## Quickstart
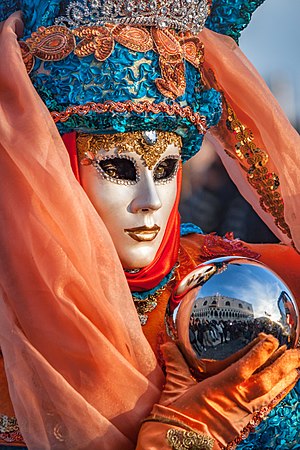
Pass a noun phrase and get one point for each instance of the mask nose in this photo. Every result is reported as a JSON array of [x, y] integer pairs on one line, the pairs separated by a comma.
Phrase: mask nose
[[147, 198]]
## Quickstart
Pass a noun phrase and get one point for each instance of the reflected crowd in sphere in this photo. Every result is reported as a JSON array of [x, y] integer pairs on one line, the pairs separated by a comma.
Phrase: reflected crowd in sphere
[[225, 303]]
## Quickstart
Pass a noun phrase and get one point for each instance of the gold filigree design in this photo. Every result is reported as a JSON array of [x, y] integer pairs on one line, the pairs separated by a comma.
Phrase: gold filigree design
[[51, 43], [135, 38], [57, 42], [95, 40], [128, 106], [127, 142], [188, 440], [253, 161]]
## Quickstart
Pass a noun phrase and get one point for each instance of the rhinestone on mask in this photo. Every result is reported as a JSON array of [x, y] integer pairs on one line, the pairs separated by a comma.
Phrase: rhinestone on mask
[[150, 137]]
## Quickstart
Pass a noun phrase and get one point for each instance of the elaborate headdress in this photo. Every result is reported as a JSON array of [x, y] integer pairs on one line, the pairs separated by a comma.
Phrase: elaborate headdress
[[106, 66], [115, 66]]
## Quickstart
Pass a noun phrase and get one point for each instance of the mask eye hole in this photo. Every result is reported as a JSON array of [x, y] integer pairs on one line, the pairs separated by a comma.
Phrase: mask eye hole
[[117, 169], [166, 169]]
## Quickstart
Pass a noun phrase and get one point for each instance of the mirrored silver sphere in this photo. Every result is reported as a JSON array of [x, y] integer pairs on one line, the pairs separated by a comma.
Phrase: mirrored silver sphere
[[225, 303]]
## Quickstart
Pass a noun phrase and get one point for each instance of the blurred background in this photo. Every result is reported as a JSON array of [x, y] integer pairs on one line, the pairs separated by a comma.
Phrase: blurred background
[[209, 198]]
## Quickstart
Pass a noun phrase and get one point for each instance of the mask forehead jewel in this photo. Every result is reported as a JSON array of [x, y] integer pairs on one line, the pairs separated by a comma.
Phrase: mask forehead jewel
[[88, 145], [150, 137]]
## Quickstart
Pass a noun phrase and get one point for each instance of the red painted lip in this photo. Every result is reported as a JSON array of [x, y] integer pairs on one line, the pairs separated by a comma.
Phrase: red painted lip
[[143, 234]]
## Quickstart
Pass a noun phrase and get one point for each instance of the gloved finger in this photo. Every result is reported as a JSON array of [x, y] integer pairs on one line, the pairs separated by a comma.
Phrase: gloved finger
[[280, 351], [212, 367], [275, 396], [267, 380], [240, 371], [178, 378]]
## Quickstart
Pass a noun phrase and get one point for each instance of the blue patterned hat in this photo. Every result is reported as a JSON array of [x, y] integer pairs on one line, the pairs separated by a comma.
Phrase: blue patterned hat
[[107, 66]]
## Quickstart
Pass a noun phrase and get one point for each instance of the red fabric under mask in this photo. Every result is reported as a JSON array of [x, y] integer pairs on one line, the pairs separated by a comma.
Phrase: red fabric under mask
[[167, 254]]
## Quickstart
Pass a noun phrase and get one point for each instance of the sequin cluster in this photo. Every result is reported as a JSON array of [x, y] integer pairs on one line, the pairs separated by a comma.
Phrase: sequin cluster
[[254, 161], [280, 430], [179, 14], [231, 16], [9, 430]]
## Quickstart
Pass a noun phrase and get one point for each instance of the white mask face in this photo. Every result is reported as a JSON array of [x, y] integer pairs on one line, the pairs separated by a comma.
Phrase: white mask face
[[133, 200]]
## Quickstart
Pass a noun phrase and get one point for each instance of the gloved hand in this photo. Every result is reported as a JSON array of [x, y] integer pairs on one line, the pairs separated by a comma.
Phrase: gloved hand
[[226, 401], [209, 367], [223, 404]]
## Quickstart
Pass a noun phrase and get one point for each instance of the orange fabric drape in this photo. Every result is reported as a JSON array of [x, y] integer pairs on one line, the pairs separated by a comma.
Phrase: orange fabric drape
[[81, 374], [257, 109]]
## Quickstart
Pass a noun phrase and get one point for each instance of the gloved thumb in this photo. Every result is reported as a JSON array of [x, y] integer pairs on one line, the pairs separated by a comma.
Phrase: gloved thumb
[[178, 378]]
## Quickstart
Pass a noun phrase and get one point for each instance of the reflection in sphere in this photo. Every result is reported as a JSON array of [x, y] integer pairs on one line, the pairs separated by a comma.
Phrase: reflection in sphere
[[225, 303]]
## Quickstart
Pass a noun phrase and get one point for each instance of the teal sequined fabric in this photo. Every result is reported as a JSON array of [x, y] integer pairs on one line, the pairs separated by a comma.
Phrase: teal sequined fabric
[[231, 16], [281, 429], [125, 75]]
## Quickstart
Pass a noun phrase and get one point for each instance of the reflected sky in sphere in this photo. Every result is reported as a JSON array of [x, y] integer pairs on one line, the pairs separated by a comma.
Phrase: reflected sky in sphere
[[247, 285]]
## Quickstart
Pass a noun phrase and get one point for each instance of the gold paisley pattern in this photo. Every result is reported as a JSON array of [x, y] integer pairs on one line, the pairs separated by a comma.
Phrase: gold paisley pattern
[[188, 440]]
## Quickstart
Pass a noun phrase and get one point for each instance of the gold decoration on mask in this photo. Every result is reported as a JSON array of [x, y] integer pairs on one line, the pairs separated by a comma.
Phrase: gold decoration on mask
[[89, 145]]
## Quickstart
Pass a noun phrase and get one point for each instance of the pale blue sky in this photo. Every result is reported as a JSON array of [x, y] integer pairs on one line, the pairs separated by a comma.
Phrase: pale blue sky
[[272, 43]]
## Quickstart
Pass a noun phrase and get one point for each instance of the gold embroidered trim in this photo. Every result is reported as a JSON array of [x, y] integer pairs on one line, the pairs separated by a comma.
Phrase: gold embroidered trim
[[133, 141], [188, 440], [128, 106], [254, 161], [177, 438]]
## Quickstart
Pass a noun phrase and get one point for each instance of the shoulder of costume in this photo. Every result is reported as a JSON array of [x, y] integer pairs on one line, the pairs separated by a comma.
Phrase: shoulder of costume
[[231, 17], [203, 247]]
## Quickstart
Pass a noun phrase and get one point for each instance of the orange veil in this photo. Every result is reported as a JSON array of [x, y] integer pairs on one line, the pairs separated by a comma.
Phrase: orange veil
[[267, 129], [81, 374]]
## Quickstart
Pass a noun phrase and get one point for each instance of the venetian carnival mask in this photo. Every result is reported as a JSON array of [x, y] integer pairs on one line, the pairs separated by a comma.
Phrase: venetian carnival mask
[[131, 180]]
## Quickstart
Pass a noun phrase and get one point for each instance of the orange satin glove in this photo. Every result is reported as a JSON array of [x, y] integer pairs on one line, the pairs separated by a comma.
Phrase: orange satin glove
[[223, 404]]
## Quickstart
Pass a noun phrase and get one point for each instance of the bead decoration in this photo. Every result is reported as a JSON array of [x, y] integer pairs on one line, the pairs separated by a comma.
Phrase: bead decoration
[[96, 163], [145, 106], [9, 430], [178, 14]]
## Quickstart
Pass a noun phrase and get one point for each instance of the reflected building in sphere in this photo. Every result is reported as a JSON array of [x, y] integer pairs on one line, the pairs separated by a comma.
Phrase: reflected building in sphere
[[220, 307]]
